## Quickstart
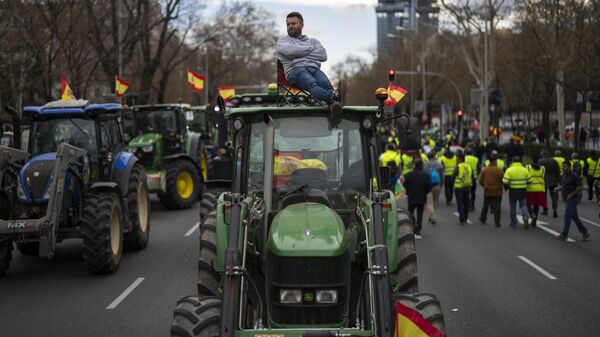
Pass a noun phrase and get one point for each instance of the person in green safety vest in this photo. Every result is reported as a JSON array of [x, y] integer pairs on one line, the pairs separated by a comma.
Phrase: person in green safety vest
[[559, 160], [499, 162], [536, 189], [463, 180], [390, 158], [472, 161], [515, 180], [407, 161], [591, 170], [449, 162]]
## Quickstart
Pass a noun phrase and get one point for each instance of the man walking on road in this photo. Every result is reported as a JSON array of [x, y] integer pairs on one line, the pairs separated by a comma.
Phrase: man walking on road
[[536, 189], [418, 184], [551, 177], [592, 172], [449, 162], [571, 187], [491, 180], [433, 197], [463, 180], [516, 178], [472, 161]]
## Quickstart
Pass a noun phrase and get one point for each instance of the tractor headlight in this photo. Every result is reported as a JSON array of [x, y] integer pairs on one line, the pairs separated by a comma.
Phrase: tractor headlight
[[327, 296], [238, 124], [367, 123], [290, 296], [147, 149]]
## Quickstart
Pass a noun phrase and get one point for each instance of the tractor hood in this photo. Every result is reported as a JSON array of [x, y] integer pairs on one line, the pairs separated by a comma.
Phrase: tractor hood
[[147, 139], [35, 176], [307, 229]]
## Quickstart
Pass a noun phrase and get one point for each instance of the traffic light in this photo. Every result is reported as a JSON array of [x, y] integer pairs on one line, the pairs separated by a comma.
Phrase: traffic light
[[459, 114], [392, 74]]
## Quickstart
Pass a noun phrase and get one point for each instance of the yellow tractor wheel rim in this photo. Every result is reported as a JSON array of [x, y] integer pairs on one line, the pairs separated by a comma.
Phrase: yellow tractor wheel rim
[[185, 185], [203, 167], [115, 231]]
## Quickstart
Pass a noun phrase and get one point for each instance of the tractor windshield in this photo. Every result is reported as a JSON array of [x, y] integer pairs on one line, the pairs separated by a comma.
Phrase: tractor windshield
[[163, 121], [48, 134], [311, 161]]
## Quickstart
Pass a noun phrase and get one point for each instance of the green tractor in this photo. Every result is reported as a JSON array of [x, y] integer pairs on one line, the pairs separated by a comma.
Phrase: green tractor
[[309, 242], [174, 157]]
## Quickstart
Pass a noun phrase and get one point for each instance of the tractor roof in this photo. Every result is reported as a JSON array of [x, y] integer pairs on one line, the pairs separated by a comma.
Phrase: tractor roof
[[161, 106], [71, 107], [362, 110]]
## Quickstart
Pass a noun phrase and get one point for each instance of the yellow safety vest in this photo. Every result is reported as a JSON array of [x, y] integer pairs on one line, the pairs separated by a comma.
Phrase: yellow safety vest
[[431, 144], [516, 176], [464, 179], [560, 161], [499, 163], [580, 165], [449, 165], [407, 164], [388, 156], [593, 168], [537, 183], [424, 157], [472, 161]]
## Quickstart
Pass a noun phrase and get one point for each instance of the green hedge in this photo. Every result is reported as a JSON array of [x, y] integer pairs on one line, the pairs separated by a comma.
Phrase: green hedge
[[535, 149]]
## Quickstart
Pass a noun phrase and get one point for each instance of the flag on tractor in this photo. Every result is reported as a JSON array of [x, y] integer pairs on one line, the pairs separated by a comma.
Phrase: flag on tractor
[[195, 81], [120, 86], [66, 93], [410, 323], [226, 92], [395, 94]]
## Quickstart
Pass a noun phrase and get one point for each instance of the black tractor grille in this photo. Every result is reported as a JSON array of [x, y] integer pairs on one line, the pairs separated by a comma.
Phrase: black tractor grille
[[146, 158], [308, 274], [38, 173]]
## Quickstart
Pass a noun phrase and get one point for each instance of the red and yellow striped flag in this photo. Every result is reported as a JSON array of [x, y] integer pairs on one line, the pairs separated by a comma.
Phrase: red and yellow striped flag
[[195, 81], [410, 323], [226, 92], [66, 94], [120, 86], [395, 94]]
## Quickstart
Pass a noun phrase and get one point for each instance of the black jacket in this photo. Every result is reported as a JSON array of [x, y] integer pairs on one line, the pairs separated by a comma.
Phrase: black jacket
[[417, 183], [552, 171]]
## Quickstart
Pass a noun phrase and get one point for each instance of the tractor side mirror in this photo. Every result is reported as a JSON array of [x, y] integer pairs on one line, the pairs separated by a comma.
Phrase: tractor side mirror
[[385, 175], [409, 133]]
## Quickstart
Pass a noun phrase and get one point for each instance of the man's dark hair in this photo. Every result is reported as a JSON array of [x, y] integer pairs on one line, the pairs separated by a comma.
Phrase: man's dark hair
[[295, 15], [419, 163]]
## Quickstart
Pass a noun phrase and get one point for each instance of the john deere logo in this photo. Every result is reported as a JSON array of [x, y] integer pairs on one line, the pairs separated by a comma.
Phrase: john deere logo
[[308, 297]]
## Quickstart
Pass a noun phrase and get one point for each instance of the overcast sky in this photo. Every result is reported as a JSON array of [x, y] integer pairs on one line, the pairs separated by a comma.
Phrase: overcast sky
[[344, 27]]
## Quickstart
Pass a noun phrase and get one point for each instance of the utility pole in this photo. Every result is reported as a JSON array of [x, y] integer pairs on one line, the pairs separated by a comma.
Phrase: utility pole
[[485, 108], [119, 53], [414, 28], [206, 82]]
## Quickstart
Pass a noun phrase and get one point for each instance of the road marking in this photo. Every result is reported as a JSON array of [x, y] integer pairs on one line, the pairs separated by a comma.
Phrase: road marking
[[520, 219], [418, 237], [542, 227], [193, 229], [589, 221], [125, 293], [538, 268], [468, 221]]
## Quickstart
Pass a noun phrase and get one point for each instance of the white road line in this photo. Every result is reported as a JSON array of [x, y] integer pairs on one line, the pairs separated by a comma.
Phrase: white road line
[[193, 229], [589, 221], [520, 219], [468, 221], [538, 268], [418, 237], [542, 227], [125, 293]]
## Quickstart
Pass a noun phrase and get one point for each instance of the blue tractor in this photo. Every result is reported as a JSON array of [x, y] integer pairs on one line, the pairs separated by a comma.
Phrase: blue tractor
[[76, 181]]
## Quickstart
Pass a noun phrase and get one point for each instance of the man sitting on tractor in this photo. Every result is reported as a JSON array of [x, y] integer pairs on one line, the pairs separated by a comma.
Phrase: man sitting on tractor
[[301, 58]]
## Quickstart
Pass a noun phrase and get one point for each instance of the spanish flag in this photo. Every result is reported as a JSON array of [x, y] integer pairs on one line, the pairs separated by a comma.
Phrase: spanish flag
[[226, 92], [395, 94], [410, 323], [195, 81], [120, 86], [66, 94]]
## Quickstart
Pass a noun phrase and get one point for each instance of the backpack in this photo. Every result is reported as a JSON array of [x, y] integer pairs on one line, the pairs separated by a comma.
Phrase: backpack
[[435, 176]]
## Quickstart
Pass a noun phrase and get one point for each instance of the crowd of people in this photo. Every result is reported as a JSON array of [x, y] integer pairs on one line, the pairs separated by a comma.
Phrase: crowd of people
[[532, 185]]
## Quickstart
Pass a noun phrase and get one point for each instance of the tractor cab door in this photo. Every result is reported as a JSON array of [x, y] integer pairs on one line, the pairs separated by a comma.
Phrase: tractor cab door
[[174, 140], [110, 146]]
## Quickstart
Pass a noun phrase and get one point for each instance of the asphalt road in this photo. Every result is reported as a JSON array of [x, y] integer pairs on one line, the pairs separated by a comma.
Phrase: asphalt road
[[484, 276]]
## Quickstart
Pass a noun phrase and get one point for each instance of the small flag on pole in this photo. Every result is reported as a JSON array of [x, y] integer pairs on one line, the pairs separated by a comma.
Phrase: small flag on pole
[[66, 94], [195, 81], [226, 92], [395, 94], [120, 86], [410, 323]]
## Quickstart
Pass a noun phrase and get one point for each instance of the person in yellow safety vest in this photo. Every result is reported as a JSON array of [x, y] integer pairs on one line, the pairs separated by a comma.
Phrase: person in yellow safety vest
[[463, 180], [559, 160], [515, 179], [390, 158], [424, 156], [472, 161], [393, 138], [449, 162], [499, 162], [577, 165], [536, 189], [407, 161], [592, 172]]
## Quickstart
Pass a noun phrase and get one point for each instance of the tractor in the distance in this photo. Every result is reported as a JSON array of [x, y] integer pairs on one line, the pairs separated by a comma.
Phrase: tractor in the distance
[[76, 181]]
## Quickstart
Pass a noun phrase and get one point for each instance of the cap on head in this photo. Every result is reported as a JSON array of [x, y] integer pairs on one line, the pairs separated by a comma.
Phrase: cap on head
[[516, 159], [544, 153], [574, 155], [557, 152]]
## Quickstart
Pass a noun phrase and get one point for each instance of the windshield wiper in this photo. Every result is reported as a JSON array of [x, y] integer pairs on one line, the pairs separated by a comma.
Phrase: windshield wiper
[[80, 129]]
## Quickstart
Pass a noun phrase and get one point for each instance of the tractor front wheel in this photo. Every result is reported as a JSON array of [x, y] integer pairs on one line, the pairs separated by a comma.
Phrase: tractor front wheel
[[138, 204], [427, 305], [196, 317], [5, 256], [405, 271], [182, 185], [208, 277]]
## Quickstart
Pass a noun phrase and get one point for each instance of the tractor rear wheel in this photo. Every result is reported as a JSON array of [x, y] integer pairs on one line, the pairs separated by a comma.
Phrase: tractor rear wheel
[[183, 185], [196, 317], [205, 161], [207, 204], [208, 278], [425, 304], [5, 256], [29, 248], [138, 204], [102, 231], [405, 272]]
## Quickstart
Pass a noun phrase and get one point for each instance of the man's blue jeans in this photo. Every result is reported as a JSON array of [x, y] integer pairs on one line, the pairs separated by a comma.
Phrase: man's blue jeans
[[512, 201], [571, 214], [314, 81], [463, 203]]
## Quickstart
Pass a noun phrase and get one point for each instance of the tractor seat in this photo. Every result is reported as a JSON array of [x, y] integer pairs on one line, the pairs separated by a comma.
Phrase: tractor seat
[[312, 195], [313, 177]]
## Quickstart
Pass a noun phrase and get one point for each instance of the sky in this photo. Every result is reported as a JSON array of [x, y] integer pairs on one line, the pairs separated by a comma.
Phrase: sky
[[343, 27]]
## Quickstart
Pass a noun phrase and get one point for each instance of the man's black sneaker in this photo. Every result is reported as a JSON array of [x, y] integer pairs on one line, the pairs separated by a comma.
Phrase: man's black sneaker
[[497, 225], [534, 222], [561, 237], [555, 214], [482, 221], [586, 236], [545, 212]]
